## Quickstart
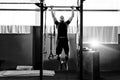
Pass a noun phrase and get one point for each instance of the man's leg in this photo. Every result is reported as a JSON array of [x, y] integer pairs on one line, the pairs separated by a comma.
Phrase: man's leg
[[58, 50], [58, 53], [66, 49]]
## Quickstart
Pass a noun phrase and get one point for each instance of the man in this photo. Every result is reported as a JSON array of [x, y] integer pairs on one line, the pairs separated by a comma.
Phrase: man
[[62, 38]]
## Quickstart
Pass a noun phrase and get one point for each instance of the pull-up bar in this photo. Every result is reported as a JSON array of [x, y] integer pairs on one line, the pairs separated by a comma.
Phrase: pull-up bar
[[61, 6], [56, 6]]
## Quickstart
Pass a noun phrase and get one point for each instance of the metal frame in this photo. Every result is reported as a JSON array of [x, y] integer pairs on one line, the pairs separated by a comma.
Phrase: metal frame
[[41, 29], [89, 10], [85, 10], [81, 40], [41, 39], [46, 7], [64, 8], [16, 3]]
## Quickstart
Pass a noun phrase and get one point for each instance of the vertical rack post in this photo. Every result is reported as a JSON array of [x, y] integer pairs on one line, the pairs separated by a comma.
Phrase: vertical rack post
[[41, 38], [81, 39]]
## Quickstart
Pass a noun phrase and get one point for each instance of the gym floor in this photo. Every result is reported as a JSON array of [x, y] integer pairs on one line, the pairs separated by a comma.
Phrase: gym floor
[[75, 76], [110, 76]]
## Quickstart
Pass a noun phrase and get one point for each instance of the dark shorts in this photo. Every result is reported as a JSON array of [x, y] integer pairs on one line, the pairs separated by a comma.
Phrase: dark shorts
[[62, 43]]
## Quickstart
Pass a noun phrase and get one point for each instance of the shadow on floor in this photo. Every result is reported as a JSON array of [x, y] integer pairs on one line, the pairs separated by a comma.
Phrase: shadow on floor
[[54, 64]]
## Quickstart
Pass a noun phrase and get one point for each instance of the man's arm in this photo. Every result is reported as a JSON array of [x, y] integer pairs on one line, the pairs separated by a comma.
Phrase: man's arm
[[70, 19], [53, 15]]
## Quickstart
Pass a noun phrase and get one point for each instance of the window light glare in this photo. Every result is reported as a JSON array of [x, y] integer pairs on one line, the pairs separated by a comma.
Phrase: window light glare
[[94, 43]]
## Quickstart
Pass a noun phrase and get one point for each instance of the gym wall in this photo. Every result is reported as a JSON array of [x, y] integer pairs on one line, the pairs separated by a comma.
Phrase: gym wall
[[16, 49]]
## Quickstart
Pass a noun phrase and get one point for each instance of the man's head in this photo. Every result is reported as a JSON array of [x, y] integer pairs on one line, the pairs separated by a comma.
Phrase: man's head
[[61, 18]]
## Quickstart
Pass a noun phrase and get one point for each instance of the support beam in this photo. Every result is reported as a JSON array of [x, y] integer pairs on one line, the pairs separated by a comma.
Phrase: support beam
[[19, 9], [41, 39], [81, 40], [16, 3], [39, 4], [68, 10], [88, 10], [101, 10]]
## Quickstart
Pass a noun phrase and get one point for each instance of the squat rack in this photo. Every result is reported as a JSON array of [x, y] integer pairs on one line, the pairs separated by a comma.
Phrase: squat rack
[[42, 9], [81, 37]]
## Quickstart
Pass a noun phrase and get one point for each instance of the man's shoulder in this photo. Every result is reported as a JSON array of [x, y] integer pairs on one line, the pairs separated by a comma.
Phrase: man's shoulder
[[67, 22], [56, 22]]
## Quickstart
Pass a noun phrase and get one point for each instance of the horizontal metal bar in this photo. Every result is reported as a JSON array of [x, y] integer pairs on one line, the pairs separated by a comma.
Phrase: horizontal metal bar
[[103, 10], [17, 3], [19, 9], [62, 6], [36, 4], [56, 6], [89, 10], [86, 10]]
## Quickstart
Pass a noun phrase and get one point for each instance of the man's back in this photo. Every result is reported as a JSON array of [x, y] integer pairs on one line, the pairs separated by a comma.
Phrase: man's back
[[62, 28]]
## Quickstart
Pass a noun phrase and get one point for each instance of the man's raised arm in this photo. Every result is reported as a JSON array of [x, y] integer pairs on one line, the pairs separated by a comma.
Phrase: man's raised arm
[[70, 19], [53, 15]]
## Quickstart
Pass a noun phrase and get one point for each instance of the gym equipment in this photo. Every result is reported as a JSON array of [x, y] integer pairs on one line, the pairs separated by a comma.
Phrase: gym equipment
[[81, 40], [51, 55], [36, 46], [46, 7], [41, 39], [86, 10], [91, 69], [18, 73], [44, 49], [17, 3]]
